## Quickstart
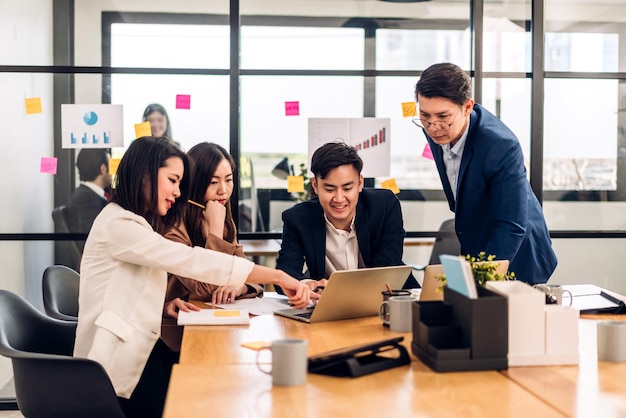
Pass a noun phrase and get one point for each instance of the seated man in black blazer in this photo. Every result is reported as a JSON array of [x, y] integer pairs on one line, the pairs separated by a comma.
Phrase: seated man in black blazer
[[346, 226], [89, 198]]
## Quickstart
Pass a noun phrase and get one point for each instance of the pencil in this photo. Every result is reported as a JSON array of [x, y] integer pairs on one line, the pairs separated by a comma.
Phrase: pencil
[[196, 204]]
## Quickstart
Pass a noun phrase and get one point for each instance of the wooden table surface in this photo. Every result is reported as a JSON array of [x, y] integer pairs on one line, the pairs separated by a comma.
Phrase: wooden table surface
[[217, 377]]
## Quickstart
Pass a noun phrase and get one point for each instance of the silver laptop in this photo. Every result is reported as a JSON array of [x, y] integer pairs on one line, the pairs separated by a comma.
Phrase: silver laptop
[[351, 294]]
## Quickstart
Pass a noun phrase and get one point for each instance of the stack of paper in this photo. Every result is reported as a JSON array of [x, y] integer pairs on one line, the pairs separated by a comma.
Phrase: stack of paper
[[214, 317]]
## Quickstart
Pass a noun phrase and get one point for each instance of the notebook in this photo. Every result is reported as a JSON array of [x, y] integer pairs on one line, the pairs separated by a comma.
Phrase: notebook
[[214, 317], [351, 294], [431, 285]]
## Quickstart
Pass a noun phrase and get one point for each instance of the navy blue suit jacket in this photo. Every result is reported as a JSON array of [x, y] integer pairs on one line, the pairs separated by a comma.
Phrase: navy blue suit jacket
[[379, 230], [496, 210], [82, 208]]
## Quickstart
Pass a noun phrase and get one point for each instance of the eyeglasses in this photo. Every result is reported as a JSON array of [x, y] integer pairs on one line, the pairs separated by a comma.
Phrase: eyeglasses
[[440, 125]]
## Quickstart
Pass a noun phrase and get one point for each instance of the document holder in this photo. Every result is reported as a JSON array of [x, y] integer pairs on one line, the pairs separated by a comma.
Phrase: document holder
[[359, 360]]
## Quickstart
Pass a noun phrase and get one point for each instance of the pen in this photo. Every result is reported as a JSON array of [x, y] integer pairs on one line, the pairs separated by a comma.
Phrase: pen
[[196, 204]]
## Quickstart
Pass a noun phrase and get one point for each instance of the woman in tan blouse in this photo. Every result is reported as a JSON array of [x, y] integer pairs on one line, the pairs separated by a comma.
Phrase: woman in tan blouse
[[211, 227]]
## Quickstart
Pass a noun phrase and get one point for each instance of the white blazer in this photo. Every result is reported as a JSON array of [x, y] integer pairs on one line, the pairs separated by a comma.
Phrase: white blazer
[[123, 277]]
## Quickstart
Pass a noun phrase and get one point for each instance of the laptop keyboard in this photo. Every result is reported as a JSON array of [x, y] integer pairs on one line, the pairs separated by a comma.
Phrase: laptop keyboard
[[305, 314]]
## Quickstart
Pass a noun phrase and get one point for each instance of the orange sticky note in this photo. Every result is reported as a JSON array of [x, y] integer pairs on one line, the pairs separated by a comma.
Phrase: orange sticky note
[[295, 184], [256, 345], [48, 165], [409, 109], [33, 105], [226, 312], [390, 185], [143, 129], [114, 163], [292, 108]]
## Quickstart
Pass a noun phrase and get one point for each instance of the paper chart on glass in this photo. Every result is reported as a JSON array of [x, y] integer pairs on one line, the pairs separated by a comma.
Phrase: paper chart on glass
[[270, 302]]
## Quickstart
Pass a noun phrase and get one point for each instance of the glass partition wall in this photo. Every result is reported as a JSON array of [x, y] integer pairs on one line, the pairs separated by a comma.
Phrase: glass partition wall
[[553, 71]]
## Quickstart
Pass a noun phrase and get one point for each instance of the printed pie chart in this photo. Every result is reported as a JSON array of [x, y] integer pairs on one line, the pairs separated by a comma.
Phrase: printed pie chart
[[90, 118]]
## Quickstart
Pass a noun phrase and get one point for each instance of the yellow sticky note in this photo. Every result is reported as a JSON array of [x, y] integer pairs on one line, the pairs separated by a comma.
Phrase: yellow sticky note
[[390, 185], [226, 312], [295, 184], [256, 345], [33, 105], [409, 109], [113, 164], [143, 129]]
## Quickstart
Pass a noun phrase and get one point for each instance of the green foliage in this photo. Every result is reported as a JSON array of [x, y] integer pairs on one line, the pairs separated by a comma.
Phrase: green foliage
[[484, 269]]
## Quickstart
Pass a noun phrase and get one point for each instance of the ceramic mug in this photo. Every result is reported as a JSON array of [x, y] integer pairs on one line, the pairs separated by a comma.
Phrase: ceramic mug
[[400, 313], [554, 293], [386, 295], [289, 362]]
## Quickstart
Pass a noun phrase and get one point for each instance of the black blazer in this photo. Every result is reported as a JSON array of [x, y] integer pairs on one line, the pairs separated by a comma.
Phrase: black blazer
[[379, 230], [83, 207]]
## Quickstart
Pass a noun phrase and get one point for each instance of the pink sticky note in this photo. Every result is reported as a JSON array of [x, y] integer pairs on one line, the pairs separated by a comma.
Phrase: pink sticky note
[[427, 153], [183, 101], [48, 165], [292, 108]]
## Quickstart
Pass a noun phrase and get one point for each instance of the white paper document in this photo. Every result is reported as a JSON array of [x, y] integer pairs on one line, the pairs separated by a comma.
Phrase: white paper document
[[266, 305], [214, 317]]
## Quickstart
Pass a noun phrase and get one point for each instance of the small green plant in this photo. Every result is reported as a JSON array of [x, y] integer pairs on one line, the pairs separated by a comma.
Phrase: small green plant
[[484, 269]]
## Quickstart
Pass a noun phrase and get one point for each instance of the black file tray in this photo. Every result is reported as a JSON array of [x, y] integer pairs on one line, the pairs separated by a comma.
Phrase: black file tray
[[359, 360], [462, 334]]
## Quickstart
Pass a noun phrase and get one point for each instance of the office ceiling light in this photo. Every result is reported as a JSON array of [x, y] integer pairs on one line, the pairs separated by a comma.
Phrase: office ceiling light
[[283, 169]]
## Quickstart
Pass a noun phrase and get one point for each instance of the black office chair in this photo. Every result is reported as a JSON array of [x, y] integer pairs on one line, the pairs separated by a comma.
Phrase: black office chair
[[68, 252], [446, 242], [60, 286], [49, 382]]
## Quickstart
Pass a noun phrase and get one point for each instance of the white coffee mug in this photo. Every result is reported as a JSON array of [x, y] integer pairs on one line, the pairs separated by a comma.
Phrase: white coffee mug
[[289, 362], [400, 313], [555, 291]]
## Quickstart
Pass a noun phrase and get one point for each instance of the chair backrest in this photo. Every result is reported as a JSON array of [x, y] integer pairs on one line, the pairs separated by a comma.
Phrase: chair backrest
[[69, 252], [446, 242], [49, 382], [60, 286]]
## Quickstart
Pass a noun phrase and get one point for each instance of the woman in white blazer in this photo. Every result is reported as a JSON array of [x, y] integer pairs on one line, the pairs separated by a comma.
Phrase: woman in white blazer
[[124, 275]]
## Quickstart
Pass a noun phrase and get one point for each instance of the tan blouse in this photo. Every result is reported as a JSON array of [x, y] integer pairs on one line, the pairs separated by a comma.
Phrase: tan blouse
[[190, 289]]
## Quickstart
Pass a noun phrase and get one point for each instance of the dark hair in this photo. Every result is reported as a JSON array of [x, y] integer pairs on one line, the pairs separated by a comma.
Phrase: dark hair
[[204, 159], [89, 161], [155, 107], [445, 80], [332, 155], [136, 181]]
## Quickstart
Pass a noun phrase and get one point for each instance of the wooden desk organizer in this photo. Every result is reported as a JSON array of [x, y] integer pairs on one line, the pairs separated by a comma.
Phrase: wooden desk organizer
[[462, 334]]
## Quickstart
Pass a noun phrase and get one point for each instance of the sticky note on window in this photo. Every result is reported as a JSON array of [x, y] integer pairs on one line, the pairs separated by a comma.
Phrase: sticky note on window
[[409, 109], [427, 153], [143, 129], [114, 163], [292, 108], [295, 184], [48, 165], [183, 101], [33, 105], [390, 185]]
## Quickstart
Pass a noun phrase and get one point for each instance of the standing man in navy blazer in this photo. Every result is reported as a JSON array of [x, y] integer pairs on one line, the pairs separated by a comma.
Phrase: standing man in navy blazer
[[89, 198], [345, 226], [481, 166]]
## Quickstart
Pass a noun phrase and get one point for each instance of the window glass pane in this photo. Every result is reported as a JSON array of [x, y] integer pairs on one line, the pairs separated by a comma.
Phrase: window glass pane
[[418, 49], [410, 169], [206, 120], [169, 46], [26, 32], [302, 48], [580, 141], [506, 45]]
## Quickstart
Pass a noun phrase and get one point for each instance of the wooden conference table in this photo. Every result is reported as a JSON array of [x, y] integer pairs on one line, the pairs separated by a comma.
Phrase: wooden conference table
[[217, 377]]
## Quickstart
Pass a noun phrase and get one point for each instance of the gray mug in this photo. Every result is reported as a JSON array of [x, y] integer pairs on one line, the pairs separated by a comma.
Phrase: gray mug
[[400, 314], [289, 362]]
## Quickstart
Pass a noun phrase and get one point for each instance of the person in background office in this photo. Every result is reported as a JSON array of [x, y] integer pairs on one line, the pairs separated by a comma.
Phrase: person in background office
[[124, 275], [481, 166], [159, 120], [345, 226], [88, 199], [212, 182]]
